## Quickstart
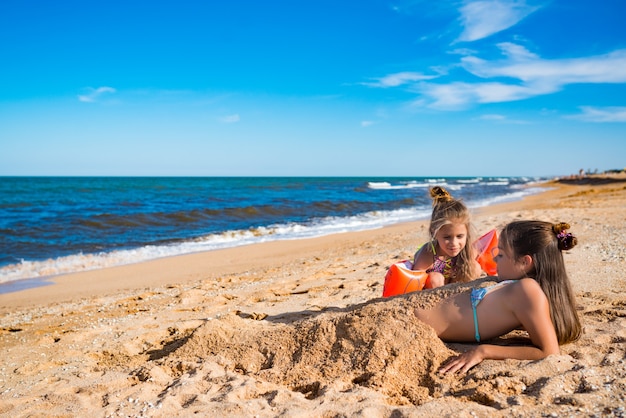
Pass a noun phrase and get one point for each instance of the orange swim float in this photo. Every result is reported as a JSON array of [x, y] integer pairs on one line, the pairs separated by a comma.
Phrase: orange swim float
[[401, 279], [485, 245]]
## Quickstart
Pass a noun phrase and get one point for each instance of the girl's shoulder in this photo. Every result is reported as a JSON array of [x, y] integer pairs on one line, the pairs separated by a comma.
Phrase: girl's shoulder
[[525, 284], [527, 291], [427, 246], [425, 249], [529, 284]]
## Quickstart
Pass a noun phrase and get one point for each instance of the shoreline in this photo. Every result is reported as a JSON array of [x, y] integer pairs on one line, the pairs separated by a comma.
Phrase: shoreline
[[156, 272], [29, 272], [147, 273], [284, 329]]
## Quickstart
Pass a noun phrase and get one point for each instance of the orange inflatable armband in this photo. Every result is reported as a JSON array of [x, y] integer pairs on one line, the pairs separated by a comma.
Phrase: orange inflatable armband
[[485, 245], [401, 279]]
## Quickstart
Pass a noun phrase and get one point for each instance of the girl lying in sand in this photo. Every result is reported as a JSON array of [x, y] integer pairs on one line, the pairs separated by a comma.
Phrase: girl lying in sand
[[533, 293]]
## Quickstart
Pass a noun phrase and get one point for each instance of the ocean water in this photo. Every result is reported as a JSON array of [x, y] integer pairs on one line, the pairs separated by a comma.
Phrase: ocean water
[[57, 225]]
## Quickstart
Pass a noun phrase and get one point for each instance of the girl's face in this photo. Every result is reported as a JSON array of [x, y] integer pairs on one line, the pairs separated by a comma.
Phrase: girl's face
[[507, 267], [452, 239]]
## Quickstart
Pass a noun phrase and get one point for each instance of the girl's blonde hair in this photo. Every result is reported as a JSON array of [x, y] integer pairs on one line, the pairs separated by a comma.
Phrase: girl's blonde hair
[[544, 242], [448, 210]]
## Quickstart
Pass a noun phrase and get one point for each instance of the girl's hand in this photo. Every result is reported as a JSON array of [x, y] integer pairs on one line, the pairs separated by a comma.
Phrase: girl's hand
[[463, 362]]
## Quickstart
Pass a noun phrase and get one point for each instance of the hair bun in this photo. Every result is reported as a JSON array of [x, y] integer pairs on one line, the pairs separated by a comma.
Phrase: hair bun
[[566, 240], [439, 194]]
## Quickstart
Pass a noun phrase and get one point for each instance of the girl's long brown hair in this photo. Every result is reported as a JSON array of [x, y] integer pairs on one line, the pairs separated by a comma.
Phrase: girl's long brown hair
[[544, 242], [447, 210]]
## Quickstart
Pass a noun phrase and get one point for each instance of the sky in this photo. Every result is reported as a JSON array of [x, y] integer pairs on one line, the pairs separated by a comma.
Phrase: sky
[[312, 88]]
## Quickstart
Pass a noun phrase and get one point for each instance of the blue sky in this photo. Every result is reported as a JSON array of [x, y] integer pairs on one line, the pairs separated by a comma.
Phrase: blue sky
[[312, 88]]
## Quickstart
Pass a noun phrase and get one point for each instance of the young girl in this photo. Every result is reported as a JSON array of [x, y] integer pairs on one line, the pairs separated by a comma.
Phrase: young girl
[[533, 293], [447, 258]]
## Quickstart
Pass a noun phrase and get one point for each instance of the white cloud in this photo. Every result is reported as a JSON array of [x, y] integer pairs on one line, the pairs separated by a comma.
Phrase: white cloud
[[91, 95], [530, 76], [601, 114], [481, 19], [230, 118], [458, 95], [492, 117], [526, 66], [516, 52], [366, 123], [398, 79], [462, 51]]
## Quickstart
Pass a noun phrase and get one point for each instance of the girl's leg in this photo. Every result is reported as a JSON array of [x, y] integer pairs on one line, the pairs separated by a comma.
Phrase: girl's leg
[[435, 279]]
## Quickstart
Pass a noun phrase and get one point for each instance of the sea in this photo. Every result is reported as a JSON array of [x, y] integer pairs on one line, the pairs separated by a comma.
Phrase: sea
[[57, 225]]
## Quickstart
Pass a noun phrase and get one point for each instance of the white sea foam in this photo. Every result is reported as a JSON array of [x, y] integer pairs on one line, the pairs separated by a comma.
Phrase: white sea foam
[[330, 225], [326, 226], [384, 185], [510, 197]]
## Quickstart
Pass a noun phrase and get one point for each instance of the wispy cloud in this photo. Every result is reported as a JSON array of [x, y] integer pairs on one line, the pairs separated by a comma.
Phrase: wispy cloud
[[501, 119], [601, 114], [366, 123], [493, 117], [481, 19], [398, 79], [459, 95], [230, 118], [91, 95], [528, 67], [530, 76]]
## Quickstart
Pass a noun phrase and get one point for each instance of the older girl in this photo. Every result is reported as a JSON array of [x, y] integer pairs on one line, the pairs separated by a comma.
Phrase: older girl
[[533, 293]]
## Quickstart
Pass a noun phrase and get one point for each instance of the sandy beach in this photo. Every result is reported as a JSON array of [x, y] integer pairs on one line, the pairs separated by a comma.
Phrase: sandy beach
[[299, 329]]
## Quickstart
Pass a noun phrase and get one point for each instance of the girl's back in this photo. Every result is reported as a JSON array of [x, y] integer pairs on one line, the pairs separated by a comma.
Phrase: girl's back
[[504, 307]]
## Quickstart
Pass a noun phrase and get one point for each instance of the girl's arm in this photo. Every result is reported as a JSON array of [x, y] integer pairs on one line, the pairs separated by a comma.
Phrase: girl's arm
[[423, 258], [530, 305], [467, 360]]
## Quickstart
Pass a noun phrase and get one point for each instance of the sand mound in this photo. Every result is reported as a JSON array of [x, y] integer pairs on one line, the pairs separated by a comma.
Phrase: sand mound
[[379, 345]]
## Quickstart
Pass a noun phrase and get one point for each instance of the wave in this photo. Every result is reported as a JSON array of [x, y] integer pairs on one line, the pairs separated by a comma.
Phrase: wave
[[239, 233], [324, 226], [510, 197], [470, 181], [384, 185], [450, 184]]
